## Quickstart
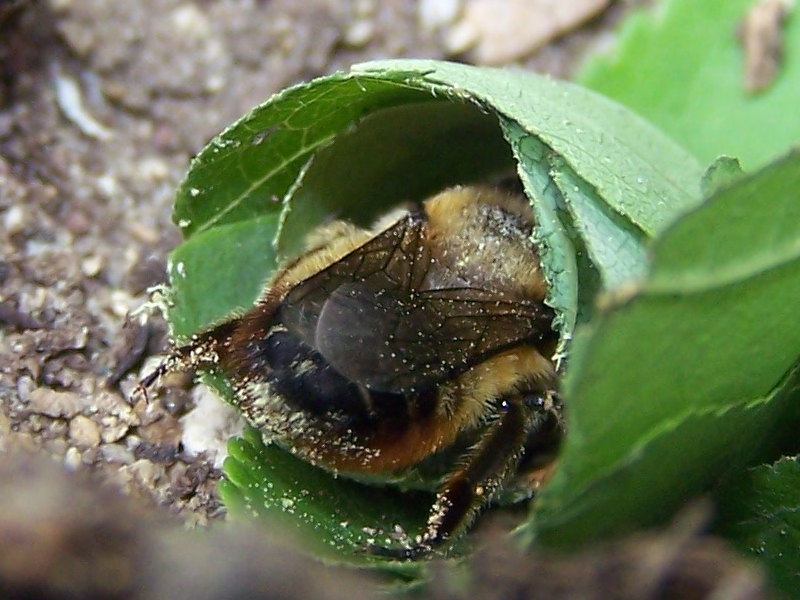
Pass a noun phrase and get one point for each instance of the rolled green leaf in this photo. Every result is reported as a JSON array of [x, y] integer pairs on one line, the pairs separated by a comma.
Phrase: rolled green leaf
[[351, 145], [602, 183]]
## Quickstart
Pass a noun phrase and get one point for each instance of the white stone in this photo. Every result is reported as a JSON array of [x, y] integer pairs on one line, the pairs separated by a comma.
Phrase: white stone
[[433, 14], [84, 432], [209, 425]]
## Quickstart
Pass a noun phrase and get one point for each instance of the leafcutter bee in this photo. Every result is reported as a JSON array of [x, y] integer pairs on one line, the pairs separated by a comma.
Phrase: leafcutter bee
[[378, 352]]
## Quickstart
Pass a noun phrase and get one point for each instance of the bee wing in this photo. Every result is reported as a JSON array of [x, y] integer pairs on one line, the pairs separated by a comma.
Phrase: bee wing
[[402, 342], [366, 315], [393, 259], [393, 255]]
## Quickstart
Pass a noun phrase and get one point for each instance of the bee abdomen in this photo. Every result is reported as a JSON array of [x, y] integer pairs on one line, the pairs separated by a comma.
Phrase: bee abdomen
[[306, 381]]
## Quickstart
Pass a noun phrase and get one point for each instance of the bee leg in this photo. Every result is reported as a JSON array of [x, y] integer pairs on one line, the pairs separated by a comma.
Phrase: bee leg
[[472, 485], [177, 360], [201, 351]]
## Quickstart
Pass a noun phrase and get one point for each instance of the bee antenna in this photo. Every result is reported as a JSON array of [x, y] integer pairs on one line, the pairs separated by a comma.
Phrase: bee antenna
[[141, 390], [196, 354], [149, 379]]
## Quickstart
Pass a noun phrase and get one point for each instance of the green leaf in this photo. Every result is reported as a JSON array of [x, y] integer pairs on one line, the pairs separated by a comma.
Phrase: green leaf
[[681, 67], [689, 377], [336, 517], [638, 171], [219, 271], [616, 247], [243, 171], [760, 513]]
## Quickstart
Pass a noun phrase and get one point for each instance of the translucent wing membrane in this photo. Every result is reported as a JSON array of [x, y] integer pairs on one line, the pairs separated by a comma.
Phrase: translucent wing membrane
[[370, 317], [401, 342]]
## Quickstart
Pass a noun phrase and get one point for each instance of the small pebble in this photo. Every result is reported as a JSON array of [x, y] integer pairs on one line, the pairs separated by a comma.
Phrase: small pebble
[[84, 432], [433, 14], [14, 219], [91, 265], [359, 33], [72, 459], [116, 453], [49, 402]]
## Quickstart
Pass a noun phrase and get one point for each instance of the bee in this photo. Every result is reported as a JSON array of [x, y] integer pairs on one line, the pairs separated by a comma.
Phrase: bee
[[379, 351]]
